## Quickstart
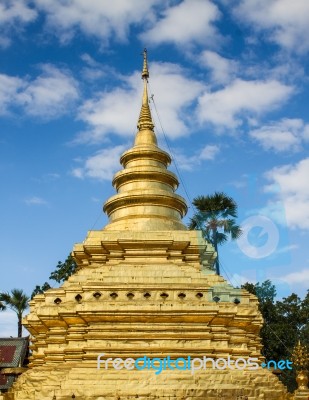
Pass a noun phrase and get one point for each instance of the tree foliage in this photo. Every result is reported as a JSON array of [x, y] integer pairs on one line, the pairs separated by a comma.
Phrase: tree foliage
[[40, 289], [17, 301], [60, 274], [64, 270], [215, 217], [286, 322]]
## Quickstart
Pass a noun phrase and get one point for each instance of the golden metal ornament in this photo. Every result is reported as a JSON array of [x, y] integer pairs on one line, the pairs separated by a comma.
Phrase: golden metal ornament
[[302, 380], [300, 356]]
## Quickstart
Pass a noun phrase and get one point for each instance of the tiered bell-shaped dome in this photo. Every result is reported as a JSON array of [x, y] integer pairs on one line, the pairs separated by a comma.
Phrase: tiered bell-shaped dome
[[145, 198]]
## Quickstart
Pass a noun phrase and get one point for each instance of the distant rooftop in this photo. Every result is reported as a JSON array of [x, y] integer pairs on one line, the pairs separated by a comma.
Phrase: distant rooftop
[[12, 355]]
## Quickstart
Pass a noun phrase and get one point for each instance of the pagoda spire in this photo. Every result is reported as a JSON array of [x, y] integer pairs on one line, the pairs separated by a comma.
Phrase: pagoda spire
[[145, 119], [145, 72], [146, 198]]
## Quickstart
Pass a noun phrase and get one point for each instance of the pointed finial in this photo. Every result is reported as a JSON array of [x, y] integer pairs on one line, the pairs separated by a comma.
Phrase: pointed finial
[[145, 72], [145, 119]]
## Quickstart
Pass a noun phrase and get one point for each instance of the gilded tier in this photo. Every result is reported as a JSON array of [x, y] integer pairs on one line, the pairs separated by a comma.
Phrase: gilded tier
[[146, 198]]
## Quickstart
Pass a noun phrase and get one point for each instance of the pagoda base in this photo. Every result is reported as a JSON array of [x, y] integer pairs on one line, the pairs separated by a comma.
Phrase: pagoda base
[[139, 294], [93, 384]]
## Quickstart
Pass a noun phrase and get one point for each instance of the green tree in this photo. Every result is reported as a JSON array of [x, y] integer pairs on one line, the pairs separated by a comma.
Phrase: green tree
[[40, 289], [304, 331], [215, 217], [285, 322], [17, 301], [266, 293], [62, 272], [2, 306]]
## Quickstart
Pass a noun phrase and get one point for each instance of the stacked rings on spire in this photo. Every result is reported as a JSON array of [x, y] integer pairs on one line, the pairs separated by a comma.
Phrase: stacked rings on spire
[[145, 198]]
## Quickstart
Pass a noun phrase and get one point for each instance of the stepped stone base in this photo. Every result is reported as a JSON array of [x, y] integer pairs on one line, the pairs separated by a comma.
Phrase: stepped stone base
[[92, 384], [137, 294]]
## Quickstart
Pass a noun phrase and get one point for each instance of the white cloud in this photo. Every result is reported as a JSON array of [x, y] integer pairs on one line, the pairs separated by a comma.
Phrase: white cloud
[[174, 92], [52, 176], [104, 19], [275, 211], [110, 112], [222, 69], [189, 163], [227, 107], [11, 10], [9, 87], [102, 165], [14, 14], [47, 96], [35, 201], [287, 249], [286, 21], [189, 21], [290, 185], [93, 69], [209, 152], [284, 135], [300, 277], [117, 111], [238, 280]]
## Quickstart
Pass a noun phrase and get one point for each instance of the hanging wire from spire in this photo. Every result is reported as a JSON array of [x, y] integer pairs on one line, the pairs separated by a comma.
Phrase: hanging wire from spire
[[172, 154]]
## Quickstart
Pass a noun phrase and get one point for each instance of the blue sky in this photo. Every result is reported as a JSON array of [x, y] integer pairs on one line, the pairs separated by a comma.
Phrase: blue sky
[[230, 84]]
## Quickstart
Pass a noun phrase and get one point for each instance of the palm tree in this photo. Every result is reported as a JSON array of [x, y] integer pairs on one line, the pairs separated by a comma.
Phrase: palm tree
[[16, 301], [2, 306], [215, 217]]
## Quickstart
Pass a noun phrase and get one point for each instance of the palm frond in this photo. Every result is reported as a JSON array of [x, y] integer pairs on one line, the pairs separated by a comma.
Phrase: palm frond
[[17, 300], [221, 238], [215, 217], [218, 203]]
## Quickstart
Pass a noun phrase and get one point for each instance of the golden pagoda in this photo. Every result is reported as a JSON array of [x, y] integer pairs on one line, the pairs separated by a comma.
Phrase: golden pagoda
[[145, 290]]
